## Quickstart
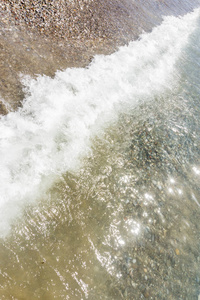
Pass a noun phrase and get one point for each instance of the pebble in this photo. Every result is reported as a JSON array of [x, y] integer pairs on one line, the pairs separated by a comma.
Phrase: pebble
[[146, 294]]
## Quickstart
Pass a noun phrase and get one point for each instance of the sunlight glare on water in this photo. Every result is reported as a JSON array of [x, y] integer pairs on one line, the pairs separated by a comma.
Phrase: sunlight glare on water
[[102, 166]]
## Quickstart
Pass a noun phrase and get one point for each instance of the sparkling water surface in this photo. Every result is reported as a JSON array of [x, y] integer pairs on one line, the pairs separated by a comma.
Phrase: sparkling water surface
[[100, 178]]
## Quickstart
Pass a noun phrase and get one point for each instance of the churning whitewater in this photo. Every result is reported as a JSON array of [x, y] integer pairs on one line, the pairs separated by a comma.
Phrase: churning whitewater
[[53, 129]]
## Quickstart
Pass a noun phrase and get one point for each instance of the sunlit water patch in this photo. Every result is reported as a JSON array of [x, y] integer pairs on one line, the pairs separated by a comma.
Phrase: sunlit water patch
[[102, 164]]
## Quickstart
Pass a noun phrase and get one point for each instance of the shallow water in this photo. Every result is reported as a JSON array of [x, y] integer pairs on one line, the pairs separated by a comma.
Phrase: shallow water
[[100, 181]]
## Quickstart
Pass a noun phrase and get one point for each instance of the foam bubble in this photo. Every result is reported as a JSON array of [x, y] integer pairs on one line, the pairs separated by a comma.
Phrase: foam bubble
[[59, 116]]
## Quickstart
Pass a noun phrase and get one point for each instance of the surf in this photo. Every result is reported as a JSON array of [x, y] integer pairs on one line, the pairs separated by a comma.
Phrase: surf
[[54, 129]]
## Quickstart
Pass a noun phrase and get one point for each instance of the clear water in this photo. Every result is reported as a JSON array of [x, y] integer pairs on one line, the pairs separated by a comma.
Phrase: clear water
[[99, 178]]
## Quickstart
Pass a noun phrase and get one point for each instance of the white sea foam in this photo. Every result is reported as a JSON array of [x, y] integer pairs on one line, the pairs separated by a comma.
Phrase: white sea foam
[[47, 136]]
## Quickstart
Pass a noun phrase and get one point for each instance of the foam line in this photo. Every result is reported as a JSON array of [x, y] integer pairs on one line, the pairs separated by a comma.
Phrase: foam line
[[59, 116]]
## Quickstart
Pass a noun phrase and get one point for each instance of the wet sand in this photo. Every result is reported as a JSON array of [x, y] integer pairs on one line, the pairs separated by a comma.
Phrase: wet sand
[[40, 37]]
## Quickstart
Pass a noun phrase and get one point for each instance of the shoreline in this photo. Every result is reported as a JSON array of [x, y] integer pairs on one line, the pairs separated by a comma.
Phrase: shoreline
[[40, 44]]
